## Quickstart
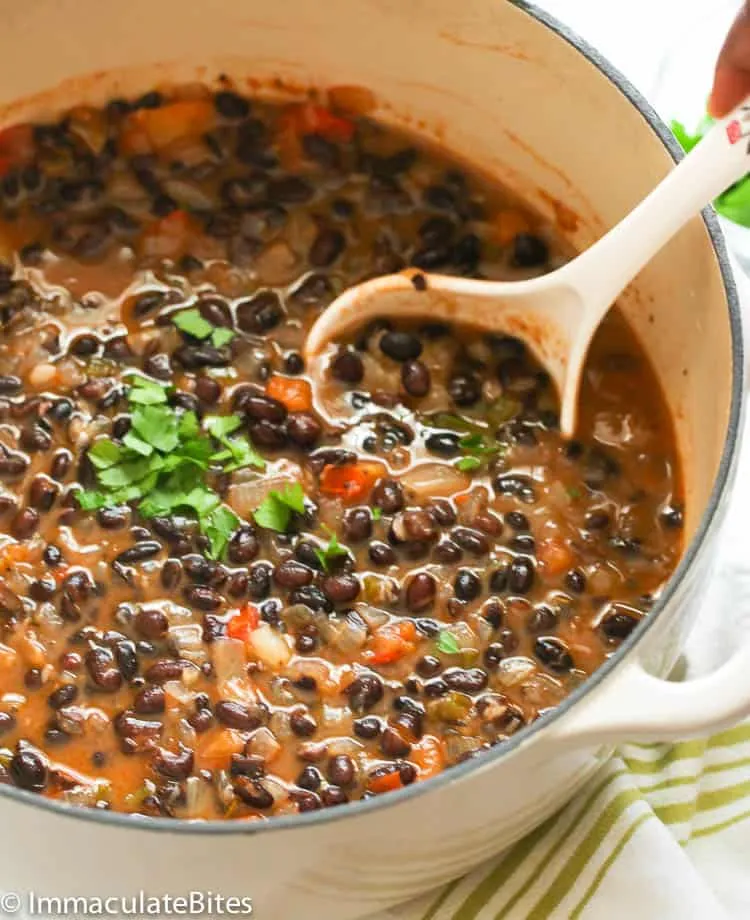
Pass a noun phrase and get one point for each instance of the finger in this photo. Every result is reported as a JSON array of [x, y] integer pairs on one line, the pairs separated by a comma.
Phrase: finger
[[732, 77]]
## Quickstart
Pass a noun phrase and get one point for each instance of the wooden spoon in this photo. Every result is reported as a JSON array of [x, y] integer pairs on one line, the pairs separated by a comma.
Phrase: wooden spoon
[[557, 314]]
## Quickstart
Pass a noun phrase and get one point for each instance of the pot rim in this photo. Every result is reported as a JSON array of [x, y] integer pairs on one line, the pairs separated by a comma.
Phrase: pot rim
[[493, 756]]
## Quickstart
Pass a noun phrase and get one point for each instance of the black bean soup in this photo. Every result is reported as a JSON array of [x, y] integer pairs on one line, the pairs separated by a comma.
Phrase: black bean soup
[[213, 602]]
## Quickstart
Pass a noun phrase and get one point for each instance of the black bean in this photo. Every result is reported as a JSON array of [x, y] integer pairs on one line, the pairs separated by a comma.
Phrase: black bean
[[347, 366], [165, 669], [10, 385], [194, 357], [400, 346], [470, 540], [471, 680], [7, 722], [310, 778], [202, 597], [518, 521], [144, 549], [28, 770], [522, 543], [171, 573], [436, 231], [356, 524], [311, 597], [264, 408], [381, 554], [151, 623], [671, 516], [302, 723], [103, 670], [575, 581], [618, 624], [260, 581], [150, 700], [63, 696], [292, 574], [332, 796], [244, 546], [13, 465], [60, 411], [147, 302], [177, 765], [326, 247], [32, 679], [25, 523], [542, 619], [127, 658], [340, 589], [415, 378], [303, 429], [158, 366], [238, 715], [420, 592], [598, 519], [231, 105], [553, 653], [267, 434], [260, 313], [464, 389], [388, 495], [112, 518], [364, 692], [84, 346], [392, 744], [42, 493], [521, 575], [35, 439], [529, 251], [467, 586], [466, 253]]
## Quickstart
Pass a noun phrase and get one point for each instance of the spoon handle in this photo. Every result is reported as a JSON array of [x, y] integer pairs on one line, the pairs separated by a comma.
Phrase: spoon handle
[[721, 158]]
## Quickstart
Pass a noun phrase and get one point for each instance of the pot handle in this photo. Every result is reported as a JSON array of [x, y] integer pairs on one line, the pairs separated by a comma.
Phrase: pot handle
[[636, 706]]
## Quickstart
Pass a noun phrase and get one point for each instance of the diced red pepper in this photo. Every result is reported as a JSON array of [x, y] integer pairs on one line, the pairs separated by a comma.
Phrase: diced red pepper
[[312, 118], [391, 642], [293, 392], [243, 623], [350, 482], [385, 782]]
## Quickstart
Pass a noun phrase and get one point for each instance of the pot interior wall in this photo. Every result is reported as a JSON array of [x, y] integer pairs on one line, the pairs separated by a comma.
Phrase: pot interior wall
[[481, 76]]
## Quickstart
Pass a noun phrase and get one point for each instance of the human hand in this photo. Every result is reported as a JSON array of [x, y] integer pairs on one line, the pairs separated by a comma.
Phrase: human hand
[[732, 75]]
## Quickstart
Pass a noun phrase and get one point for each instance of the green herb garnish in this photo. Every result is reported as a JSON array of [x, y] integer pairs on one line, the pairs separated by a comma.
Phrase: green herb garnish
[[734, 203], [333, 550], [377, 513], [447, 643], [573, 492], [193, 323], [275, 511], [163, 460], [468, 464]]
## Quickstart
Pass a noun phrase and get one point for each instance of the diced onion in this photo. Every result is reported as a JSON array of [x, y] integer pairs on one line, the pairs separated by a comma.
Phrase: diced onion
[[270, 647], [263, 743], [229, 659], [434, 480]]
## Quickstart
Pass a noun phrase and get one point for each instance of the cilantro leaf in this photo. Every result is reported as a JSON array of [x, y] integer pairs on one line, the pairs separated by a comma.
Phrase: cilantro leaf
[[222, 425], [218, 526], [132, 441], [447, 643], [275, 511], [468, 464], [189, 425], [104, 453], [376, 512], [191, 322], [221, 336], [241, 453], [91, 500], [158, 426], [333, 550], [146, 392]]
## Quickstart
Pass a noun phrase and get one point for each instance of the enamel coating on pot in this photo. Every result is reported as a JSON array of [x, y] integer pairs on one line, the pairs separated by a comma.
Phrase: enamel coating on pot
[[497, 83]]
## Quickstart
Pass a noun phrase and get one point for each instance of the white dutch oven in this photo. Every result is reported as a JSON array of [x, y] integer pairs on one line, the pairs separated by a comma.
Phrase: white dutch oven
[[508, 89]]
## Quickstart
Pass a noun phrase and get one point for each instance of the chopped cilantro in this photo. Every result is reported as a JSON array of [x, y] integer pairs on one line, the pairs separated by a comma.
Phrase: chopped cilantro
[[146, 392], [333, 550], [447, 643], [377, 513], [468, 464], [191, 322], [275, 511], [162, 462], [573, 492], [221, 336], [222, 425]]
